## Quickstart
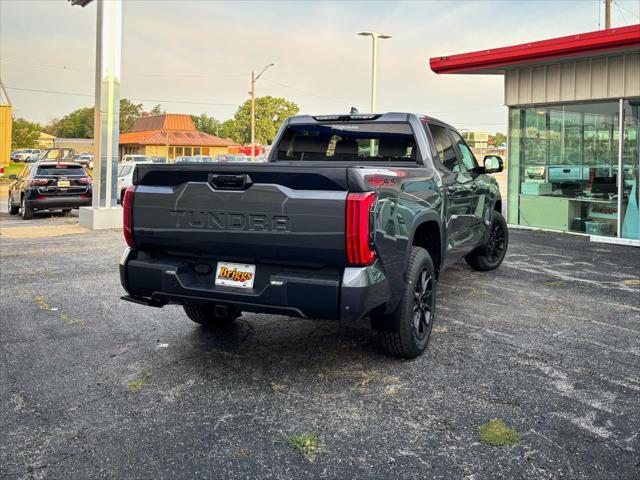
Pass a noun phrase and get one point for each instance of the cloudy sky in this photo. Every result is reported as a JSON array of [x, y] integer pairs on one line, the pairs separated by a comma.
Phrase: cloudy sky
[[202, 52]]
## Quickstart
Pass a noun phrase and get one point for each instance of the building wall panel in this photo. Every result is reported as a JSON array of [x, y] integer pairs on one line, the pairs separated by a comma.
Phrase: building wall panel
[[553, 83], [600, 78], [538, 85], [511, 87], [567, 81], [524, 85], [583, 80], [615, 77], [632, 75]]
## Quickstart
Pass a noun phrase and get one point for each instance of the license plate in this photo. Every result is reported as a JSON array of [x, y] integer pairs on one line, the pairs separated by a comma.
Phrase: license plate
[[238, 275], [63, 183]]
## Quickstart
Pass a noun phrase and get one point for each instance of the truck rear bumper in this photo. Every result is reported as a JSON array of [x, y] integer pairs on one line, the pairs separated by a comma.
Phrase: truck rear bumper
[[329, 293]]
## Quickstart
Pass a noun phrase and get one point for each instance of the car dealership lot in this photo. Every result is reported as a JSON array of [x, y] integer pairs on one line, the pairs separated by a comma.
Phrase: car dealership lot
[[94, 387]]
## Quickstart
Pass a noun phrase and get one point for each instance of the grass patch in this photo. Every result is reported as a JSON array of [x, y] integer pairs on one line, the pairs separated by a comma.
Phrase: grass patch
[[137, 384], [13, 168], [306, 444], [632, 283], [555, 283], [496, 432], [41, 302], [278, 387], [74, 322]]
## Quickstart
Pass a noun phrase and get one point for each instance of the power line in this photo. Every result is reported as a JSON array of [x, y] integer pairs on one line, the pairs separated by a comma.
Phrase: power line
[[125, 73], [187, 102], [305, 92], [637, 15], [624, 17]]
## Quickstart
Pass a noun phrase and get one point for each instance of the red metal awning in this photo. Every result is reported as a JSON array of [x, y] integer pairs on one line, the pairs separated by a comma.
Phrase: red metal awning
[[494, 61]]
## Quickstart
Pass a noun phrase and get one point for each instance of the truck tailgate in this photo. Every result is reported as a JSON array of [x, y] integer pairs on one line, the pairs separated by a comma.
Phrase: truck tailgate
[[277, 214]]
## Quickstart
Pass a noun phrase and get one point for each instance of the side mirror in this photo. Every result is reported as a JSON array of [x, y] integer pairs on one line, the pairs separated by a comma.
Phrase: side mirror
[[13, 177], [493, 164]]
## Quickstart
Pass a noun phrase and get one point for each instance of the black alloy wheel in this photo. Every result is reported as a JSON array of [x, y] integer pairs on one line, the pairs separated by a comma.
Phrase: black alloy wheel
[[423, 304]]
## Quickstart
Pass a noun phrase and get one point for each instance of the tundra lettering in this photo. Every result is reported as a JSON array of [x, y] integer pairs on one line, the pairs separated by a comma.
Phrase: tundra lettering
[[230, 221]]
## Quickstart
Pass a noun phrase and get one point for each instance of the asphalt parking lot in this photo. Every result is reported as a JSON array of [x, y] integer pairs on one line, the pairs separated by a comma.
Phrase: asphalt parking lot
[[94, 387]]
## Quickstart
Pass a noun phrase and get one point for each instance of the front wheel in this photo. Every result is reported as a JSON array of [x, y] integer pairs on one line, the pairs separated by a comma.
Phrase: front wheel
[[210, 315], [491, 255], [416, 313]]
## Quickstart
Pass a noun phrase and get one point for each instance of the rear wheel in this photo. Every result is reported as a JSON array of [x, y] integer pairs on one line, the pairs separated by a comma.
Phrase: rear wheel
[[13, 209], [212, 315], [416, 313], [491, 255], [26, 212]]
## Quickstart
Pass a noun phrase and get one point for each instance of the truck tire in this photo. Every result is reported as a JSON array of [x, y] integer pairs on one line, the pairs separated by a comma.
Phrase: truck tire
[[416, 313], [212, 315], [13, 209], [491, 255], [25, 210]]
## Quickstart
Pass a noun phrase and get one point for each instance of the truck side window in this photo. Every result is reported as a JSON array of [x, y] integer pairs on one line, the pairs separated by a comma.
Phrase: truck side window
[[446, 153], [468, 159]]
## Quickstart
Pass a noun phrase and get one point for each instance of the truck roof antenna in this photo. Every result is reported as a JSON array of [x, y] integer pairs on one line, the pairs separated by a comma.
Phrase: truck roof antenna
[[353, 111]]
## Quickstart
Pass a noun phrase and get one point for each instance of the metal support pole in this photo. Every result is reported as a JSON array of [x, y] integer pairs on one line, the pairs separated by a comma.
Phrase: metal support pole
[[253, 115], [374, 69], [107, 102], [620, 176], [607, 14]]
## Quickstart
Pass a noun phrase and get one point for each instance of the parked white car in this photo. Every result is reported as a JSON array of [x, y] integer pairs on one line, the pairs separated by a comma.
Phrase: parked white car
[[134, 158], [125, 177], [25, 154]]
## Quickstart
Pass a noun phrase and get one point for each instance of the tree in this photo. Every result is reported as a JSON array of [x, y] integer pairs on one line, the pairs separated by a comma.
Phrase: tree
[[129, 113], [157, 110], [229, 129], [270, 113], [499, 139], [24, 133], [206, 124], [79, 123]]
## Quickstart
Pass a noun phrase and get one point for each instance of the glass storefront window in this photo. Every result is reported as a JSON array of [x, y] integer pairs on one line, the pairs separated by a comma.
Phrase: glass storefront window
[[567, 160], [631, 166]]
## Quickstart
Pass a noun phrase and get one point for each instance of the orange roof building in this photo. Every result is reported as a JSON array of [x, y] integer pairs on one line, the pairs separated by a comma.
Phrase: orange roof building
[[170, 135]]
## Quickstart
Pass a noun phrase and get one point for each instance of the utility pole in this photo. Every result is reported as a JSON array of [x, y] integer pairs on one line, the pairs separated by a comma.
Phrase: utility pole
[[607, 14], [253, 109]]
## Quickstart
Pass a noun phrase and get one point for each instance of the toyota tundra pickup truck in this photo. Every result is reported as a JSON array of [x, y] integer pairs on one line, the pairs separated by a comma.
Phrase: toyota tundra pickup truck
[[353, 217]]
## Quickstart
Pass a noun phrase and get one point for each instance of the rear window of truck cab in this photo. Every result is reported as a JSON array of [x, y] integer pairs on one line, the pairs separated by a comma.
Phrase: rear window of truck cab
[[348, 141]]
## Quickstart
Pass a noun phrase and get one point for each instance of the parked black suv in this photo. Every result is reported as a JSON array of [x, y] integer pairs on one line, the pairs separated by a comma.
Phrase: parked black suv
[[49, 186], [354, 216]]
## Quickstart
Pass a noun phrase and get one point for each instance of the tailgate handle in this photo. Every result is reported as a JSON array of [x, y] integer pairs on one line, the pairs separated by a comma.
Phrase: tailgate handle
[[230, 182]]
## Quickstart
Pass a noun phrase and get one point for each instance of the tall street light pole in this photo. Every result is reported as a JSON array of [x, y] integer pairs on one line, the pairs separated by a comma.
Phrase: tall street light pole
[[254, 79], [374, 63]]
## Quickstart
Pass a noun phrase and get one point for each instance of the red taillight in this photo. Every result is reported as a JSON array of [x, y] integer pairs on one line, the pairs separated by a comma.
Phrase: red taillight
[[38, 182], [358, 228], [127, 216], [84, 181]]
